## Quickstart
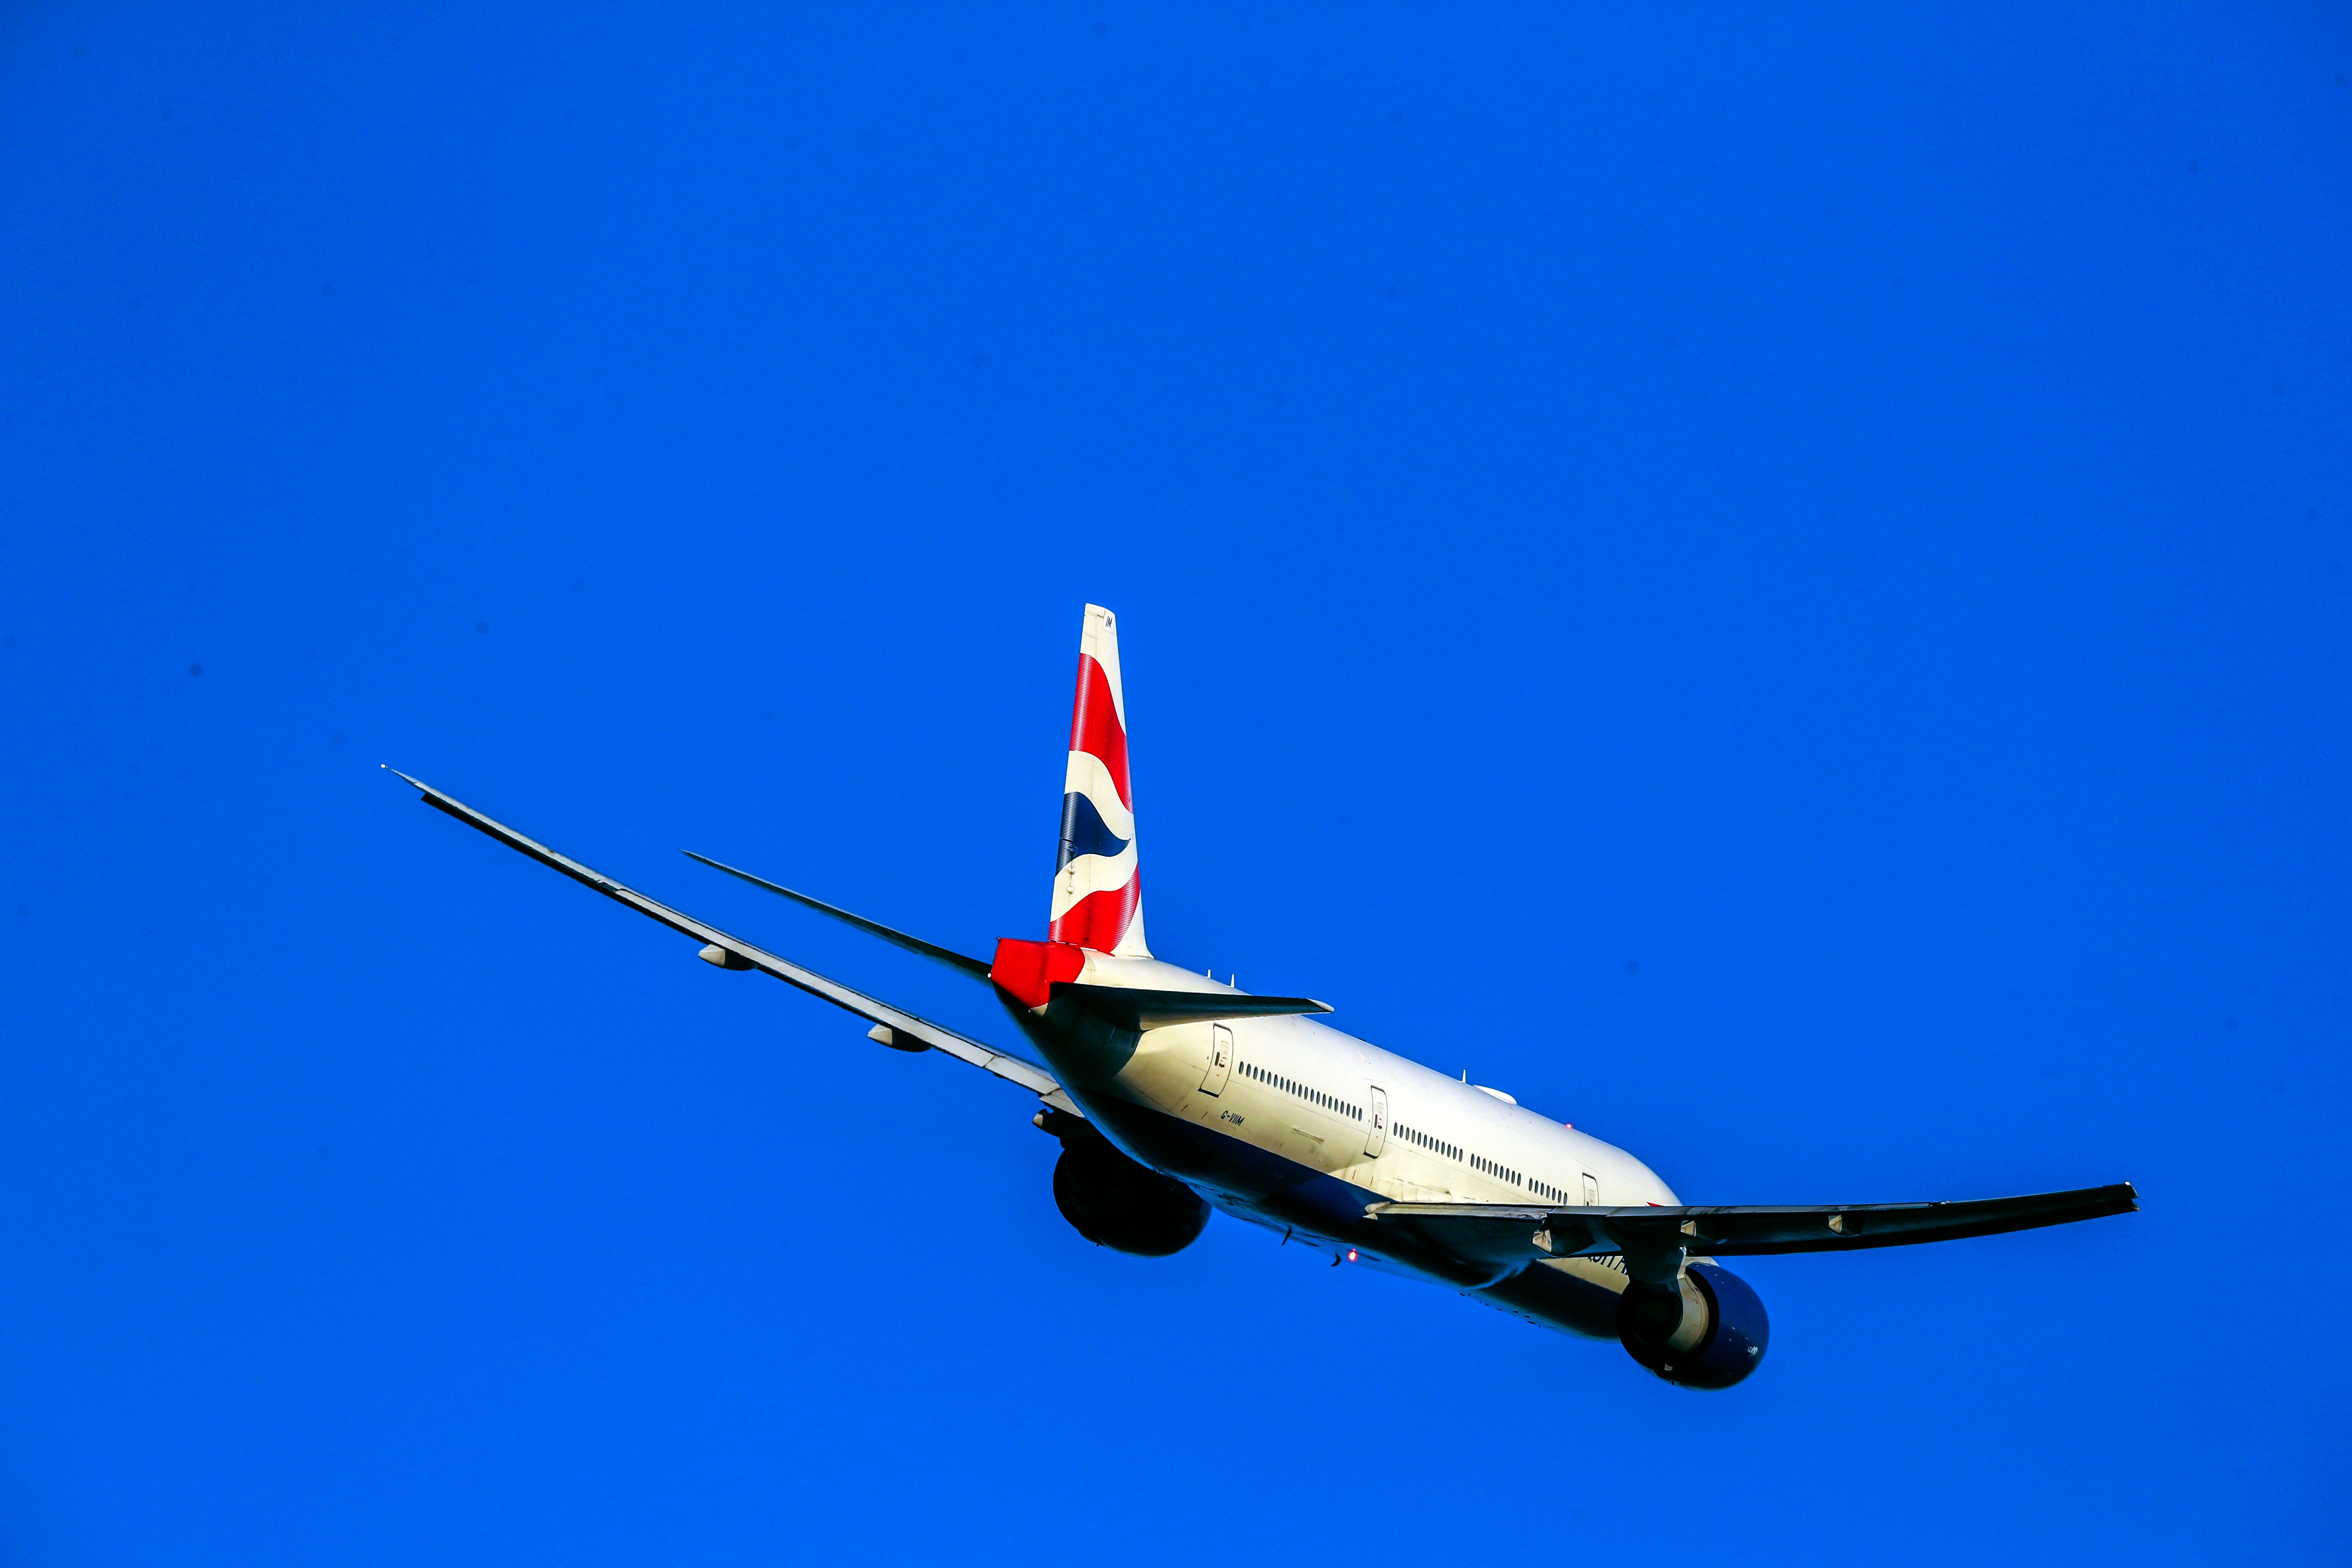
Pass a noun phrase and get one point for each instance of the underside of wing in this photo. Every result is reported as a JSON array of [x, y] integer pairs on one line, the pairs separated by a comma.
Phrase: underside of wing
[[734, 952], [1496, 1231]]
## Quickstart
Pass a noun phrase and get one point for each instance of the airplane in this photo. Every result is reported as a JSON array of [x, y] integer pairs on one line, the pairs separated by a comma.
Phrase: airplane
[[1172, 1095]]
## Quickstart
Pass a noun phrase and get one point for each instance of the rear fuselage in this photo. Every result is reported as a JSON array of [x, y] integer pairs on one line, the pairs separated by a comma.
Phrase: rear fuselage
[[1293, 1125]]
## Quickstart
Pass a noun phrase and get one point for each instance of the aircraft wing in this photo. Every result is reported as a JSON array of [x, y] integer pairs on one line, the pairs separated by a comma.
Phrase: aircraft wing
[[744, 956], [1496, 1231]]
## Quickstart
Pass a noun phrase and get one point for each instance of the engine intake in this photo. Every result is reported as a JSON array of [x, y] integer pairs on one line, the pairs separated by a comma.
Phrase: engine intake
[[1116, 1202], [1709, 1334]]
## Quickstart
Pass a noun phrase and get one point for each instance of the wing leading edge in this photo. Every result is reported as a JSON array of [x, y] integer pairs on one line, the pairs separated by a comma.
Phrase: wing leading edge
[[1534, 1231], [744, 956]]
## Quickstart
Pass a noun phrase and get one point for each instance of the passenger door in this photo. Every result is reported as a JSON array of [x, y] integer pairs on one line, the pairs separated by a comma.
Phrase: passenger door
[[1376, 1137], [1220, 1060]]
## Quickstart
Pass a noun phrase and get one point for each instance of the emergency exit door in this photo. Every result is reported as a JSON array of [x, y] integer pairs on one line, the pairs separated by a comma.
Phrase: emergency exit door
[[1220, 1060], [1377, 1135]]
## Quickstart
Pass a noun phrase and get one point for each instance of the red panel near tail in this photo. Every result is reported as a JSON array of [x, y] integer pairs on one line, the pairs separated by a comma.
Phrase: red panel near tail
[[1029, 969]]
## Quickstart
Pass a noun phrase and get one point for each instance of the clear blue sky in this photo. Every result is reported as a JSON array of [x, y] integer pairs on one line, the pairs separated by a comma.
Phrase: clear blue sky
[[1774, 585]]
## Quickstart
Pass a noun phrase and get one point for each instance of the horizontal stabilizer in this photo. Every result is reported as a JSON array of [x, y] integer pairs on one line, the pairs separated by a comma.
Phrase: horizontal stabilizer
[[977, 968], [1158, 1009], [1534, 1230]]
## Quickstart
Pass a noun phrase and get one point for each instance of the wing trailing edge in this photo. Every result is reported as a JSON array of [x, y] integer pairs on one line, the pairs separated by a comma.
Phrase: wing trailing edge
[[1536, 1231]]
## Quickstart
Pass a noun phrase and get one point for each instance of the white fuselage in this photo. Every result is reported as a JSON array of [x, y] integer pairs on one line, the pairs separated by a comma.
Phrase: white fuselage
[[1314, 1096]]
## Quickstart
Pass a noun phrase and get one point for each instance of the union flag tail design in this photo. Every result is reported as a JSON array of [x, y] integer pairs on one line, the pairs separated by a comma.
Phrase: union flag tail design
[[1098, 901]]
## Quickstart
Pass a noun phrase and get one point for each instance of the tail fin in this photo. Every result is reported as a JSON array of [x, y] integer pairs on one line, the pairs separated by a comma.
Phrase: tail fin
[[1097, 898]]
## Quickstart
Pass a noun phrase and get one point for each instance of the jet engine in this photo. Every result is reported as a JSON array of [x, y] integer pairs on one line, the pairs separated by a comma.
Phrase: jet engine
[[1708, 1335], [1113, 1202]]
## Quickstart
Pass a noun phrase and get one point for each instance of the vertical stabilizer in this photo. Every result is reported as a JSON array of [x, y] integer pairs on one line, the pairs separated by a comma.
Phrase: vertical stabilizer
[[1098, 901]]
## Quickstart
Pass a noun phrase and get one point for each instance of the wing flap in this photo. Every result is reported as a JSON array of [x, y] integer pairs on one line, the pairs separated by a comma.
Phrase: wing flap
[[1534, 1231], [1751, 1232], [1012, 1068]]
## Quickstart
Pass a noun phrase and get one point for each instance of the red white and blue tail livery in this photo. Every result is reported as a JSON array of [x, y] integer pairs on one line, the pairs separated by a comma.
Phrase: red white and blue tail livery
[[1097, 900], [1173, 1097]]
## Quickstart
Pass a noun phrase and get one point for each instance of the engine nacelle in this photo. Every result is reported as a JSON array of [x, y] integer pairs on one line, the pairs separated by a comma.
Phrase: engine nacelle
[[1113, 1202], [1710, 1334]]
